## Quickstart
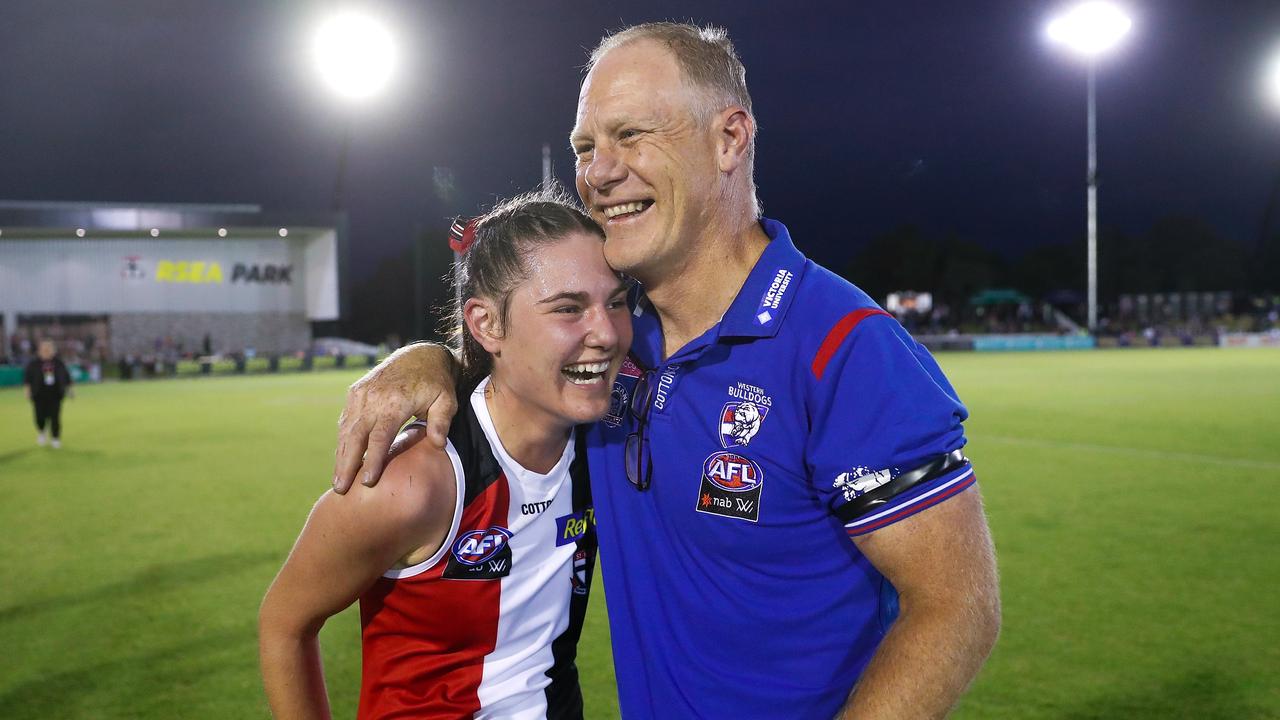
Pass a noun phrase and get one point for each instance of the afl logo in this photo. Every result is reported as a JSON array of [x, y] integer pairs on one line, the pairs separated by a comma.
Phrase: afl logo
[[732, 472], [475, 547]]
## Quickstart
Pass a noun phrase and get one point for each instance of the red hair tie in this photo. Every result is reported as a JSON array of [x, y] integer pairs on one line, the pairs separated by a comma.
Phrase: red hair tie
[[462, 235]]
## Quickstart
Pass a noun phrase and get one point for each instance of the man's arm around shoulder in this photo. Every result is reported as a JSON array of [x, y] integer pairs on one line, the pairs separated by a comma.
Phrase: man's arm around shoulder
[[416, 380]]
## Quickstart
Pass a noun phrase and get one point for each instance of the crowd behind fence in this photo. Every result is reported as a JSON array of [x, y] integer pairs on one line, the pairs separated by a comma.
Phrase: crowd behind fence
[[1150, 319], [86, 356], [1134, 320]]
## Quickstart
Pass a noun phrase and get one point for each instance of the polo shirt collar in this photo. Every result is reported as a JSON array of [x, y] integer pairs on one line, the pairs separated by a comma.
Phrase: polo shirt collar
[[762, 303], [757, 311]]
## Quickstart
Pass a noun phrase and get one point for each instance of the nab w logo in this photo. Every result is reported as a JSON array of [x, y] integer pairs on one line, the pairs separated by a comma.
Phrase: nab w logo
[[731, 486]]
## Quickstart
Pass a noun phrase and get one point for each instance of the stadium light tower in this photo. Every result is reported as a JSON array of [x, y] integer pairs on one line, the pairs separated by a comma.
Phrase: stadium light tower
[[355, 55], [1090, 30]]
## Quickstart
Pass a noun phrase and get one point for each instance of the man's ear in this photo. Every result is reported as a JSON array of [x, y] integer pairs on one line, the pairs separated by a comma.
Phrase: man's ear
[[481, 318], [735, 128]]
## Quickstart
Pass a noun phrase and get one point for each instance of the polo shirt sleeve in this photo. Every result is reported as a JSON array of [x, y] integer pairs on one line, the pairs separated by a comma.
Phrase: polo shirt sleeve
[[881, 410]]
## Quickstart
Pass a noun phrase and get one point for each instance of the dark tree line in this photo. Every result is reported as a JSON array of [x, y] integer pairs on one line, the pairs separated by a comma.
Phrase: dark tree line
[[1177, 254], [906, 259]]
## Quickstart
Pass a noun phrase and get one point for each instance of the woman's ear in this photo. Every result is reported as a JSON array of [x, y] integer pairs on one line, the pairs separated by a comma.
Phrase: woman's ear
[[481, 318]]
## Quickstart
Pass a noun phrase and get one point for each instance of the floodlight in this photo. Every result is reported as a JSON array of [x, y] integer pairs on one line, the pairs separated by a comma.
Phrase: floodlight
[[1090, 28], [355, 54], [1271, 81]]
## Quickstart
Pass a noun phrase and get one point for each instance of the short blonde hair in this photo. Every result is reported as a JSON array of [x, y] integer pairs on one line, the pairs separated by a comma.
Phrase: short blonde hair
[[709, 63]]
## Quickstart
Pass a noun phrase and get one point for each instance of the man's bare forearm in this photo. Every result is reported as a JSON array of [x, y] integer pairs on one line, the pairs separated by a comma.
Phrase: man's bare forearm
[[943, 564], [927, 660]]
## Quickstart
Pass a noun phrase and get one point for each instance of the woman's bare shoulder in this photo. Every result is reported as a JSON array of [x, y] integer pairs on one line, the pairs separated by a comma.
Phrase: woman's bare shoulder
[[417, 488]]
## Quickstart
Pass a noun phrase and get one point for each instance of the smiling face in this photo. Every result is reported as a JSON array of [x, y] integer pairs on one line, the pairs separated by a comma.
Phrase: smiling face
[[566, 332], [646, 168]]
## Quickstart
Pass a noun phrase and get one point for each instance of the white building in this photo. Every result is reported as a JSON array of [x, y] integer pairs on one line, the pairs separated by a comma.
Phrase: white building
[[132, 279]]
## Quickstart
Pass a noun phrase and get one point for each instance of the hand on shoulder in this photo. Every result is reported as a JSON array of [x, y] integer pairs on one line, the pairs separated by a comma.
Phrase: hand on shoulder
[[416, 380], [412, 507]]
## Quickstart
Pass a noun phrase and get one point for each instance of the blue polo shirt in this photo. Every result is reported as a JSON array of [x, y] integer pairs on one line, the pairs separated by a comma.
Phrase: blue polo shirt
[[734, 590]]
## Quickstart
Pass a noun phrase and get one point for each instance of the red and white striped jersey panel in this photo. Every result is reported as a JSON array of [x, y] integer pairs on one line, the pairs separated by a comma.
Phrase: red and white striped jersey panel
[[469, 632]]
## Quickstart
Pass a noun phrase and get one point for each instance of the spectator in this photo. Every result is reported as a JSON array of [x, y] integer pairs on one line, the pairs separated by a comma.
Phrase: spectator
[[47, 382]]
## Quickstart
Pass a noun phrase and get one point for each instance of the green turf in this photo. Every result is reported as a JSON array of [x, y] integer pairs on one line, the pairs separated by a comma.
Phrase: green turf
[[1133, 496]]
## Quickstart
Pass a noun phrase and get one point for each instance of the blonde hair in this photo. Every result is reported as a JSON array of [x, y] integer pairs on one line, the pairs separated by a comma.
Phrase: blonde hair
[[709, 63]]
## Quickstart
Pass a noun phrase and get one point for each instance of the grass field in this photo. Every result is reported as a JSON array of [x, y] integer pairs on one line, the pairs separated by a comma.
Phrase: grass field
[[1134, 497]]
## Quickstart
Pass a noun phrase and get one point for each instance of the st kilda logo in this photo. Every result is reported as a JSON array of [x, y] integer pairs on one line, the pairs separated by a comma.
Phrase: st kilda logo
[[132, 269], [480, 555], [731, 486]]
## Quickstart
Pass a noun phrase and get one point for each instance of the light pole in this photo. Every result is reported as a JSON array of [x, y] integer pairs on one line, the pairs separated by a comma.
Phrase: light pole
[[355, 55], [1090, 29]]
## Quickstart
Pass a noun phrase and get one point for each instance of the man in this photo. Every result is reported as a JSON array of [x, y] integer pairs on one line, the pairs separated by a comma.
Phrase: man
[[47, 381], [772, 414]]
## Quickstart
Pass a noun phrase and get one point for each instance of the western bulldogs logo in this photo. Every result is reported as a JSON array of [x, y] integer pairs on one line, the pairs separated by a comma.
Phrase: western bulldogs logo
[[739, 422], [477, 546], [860, 481]]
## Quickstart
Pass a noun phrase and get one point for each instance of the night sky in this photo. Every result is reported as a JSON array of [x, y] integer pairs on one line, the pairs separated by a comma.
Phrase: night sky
[[956, 116]]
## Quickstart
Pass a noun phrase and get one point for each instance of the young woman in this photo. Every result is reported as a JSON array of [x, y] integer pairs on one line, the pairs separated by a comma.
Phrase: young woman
[[472, 564]]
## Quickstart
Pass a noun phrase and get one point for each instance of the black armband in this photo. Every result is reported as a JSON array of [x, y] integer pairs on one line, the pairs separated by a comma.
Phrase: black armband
[[868, 502]]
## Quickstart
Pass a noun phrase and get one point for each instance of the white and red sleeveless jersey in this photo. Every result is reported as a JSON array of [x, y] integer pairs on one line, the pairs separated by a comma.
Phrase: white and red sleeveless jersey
[[488, 627]]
